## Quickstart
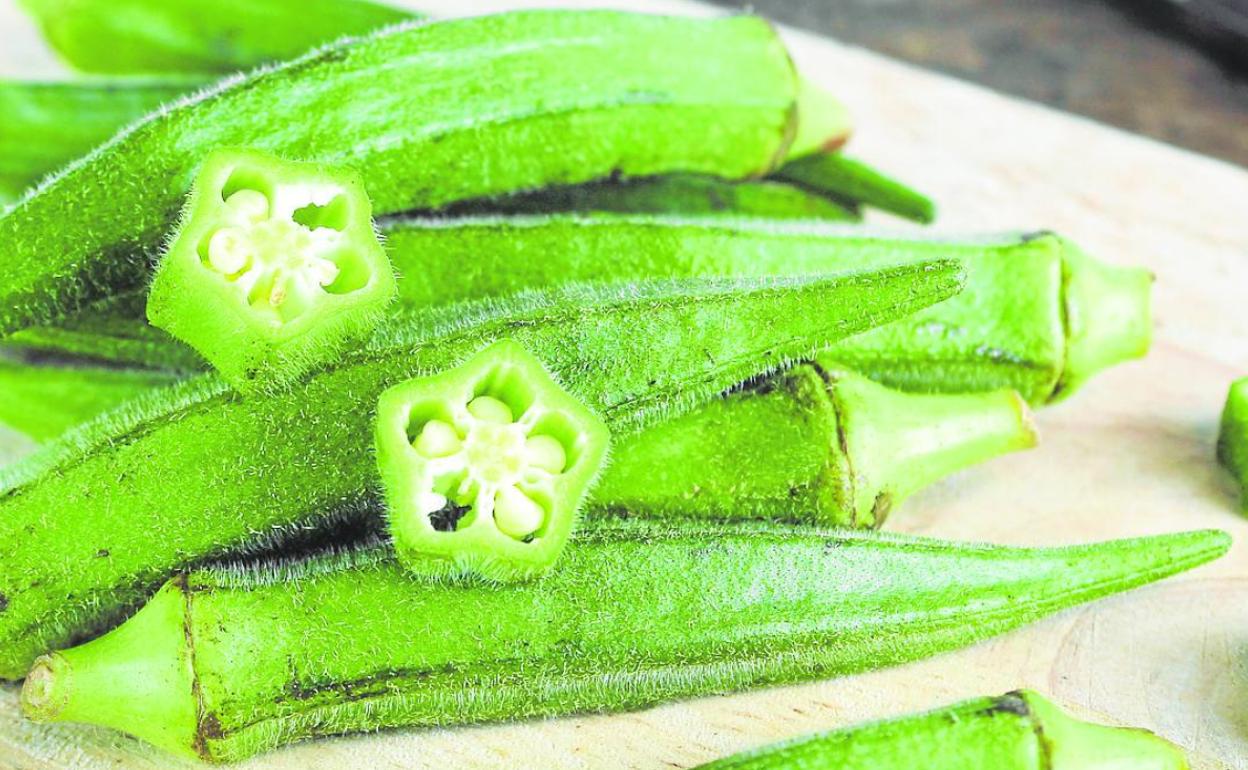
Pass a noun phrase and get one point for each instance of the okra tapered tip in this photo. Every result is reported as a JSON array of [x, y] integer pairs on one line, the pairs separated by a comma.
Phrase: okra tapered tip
[[1073, 744], [1108, 316], [137, 678], [823, 121]]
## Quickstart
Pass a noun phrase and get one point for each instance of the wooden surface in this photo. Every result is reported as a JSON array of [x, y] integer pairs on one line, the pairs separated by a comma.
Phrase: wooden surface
[[1130, 455]]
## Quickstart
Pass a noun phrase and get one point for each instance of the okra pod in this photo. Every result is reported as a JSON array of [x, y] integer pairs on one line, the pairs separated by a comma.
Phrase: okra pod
[[485, 466], [815, 444], [91, 524], [274, 268], [1016, 731], [48, 124], [1038, 315], [223, 664], [841, 178], [1233, 436], [198, 36], [674, 194], [404, 108], [44, 401]]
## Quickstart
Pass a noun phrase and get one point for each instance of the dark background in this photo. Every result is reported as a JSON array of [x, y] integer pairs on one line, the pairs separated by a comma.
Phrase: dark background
[[1136, 64]]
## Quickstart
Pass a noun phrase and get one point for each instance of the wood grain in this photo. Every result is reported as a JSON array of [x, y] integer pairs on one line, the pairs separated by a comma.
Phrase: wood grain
[[1130, 455]]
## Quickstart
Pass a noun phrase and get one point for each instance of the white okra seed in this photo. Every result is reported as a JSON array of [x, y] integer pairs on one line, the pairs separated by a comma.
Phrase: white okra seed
[[515, 514], [489, 409], [437, 439], [546, 453], [249, 204], [230, 250]]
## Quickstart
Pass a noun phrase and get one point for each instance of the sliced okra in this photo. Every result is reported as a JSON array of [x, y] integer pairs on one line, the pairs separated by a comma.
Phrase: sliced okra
[[485, 466], [275, 266]]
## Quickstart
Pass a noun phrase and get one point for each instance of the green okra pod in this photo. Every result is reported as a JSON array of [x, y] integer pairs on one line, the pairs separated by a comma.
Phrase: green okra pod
[[841, 178], [404, 108], [274, 268], [678, 194], [224, 664], [43, 400], [815, 444], [1233, 436], [1016, 731], [91, 524], [198, 36], [48, 124], [1038, 314]]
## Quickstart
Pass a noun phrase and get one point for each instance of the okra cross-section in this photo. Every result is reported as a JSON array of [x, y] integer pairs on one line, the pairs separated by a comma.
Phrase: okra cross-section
[[275, 266], [485, 466]]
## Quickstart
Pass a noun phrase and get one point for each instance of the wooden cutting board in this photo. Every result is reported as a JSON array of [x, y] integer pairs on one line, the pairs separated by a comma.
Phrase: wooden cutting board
[[1130, 455]]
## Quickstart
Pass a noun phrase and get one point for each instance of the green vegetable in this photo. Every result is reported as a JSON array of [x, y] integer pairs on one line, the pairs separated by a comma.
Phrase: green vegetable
[[88, 527], [48, 124], [43, 401], [1233, 437], [405, 108], [224, 664], [485, 466], [841, 178], [815, 444], [274, 268], [678, 194], [200, 36], [1038, 315], [1017, 731]]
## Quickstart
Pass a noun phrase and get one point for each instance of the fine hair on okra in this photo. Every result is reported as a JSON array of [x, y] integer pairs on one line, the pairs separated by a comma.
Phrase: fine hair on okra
[[1038, 314], [251, 469], [223, 664], [405, 108], [1016, 731], [274, 268]]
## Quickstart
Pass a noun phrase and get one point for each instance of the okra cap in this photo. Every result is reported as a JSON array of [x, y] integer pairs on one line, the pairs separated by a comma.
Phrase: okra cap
[[1072, 744], [1108, 316], [823, 121]]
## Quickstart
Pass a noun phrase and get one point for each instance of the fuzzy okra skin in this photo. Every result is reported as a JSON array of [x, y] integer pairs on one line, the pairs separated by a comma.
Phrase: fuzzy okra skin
[[274, 268], [814, 444], [485, 466], [1016, 731], [92, 523], [840, 178], [405, 107], [679, 194], [1233, 436], [224, 664], [48, 124], [198, 36]]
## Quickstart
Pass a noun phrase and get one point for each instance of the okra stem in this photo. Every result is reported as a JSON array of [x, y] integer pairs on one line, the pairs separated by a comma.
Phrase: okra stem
[[89, 526], [842, 178], [1016, 731], [224, 664], [814, 444]]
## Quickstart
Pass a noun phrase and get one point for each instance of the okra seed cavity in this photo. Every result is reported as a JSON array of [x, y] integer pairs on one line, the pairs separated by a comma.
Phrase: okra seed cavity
[[485, 465]]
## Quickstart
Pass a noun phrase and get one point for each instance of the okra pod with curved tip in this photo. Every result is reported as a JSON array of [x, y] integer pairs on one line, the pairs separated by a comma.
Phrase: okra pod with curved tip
[[404, 108], [198, 36], [678, 194], [485, 466], [274, 268], [1233, 436], [815, 444], [90, 524], [224, 664], [48, 124], [847, 180], [1016, 731]]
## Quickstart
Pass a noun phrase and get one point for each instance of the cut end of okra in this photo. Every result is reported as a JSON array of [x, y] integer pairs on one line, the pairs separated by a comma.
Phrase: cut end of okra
[[485, 466], [1073, 744], [275, 265], [136, 679], [1233, 436], [1108, 316], [823, 121], [892, 443]]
